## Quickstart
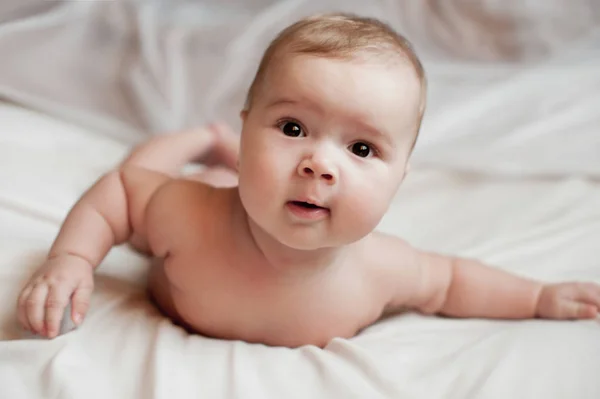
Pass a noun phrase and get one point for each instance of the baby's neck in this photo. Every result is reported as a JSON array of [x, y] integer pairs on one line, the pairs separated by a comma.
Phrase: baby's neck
[[287, 260]]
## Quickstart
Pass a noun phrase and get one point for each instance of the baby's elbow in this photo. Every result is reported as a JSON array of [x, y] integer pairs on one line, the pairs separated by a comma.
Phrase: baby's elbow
[[438, 273], [108, 200], [434, 305]]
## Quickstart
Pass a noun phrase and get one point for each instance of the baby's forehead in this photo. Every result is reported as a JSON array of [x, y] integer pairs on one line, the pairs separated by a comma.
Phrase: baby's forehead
[[391, 59], [369, 84]]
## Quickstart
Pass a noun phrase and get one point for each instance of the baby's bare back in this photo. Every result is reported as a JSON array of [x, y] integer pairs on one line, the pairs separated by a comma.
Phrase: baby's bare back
[[214, 282]]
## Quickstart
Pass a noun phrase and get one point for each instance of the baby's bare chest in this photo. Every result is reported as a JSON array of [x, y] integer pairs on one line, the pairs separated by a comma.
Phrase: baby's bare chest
[[227, 300]]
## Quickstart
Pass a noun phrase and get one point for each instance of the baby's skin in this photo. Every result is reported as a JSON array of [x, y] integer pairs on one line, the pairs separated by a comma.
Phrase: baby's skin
[[278, 246]]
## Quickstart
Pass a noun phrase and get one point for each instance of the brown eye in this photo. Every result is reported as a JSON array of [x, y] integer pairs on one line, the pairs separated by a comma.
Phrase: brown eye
[[361, 149], [292, 129]]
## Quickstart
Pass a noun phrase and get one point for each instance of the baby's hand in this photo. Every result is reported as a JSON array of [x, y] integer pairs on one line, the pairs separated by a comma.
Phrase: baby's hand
[[43, 301], [225, 151], [569, 301]]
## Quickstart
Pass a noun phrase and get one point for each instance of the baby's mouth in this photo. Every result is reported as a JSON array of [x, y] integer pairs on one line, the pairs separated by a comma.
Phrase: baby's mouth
[[307, 210], [306, 205]]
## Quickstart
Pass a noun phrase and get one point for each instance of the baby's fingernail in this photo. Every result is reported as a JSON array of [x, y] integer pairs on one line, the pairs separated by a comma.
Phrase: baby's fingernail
[[77, 318]]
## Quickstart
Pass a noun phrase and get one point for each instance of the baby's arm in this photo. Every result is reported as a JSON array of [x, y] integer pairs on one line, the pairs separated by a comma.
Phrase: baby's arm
[[106, 215], [458, 287], [169, 153], [467, 288], [97, 222]]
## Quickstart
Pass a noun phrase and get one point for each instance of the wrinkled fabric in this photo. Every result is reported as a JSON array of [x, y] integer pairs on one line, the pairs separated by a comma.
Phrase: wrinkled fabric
[[513, 85], [505, 170]]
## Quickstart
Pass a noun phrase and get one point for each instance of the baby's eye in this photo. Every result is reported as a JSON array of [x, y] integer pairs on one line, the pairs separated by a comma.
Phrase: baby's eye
[[292, 129], [361, 149]]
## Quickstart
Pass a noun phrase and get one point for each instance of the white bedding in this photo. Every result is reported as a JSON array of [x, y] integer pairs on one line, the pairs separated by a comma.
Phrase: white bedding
[[521, 193]]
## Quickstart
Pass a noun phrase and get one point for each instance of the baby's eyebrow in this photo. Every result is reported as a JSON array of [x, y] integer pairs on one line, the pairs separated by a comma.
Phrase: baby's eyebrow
[[386, 138], [288, 101], [281, 101]]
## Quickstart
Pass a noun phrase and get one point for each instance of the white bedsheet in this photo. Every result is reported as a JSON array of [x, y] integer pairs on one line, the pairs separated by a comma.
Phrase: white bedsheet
[[521, 193]]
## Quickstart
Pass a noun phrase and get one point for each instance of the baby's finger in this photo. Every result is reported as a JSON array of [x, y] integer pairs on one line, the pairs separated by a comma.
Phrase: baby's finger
[[578, 310], [227, 147], [22, 308], [80, 304], [56, 302], [589, 293], [35, 307]]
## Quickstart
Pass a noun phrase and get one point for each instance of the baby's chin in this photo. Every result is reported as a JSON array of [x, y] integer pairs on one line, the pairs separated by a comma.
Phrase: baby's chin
[[304, 245], [320, 237], [315, 242]]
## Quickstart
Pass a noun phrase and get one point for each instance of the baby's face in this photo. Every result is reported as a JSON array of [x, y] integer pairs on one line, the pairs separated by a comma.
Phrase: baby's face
[[325, 147]]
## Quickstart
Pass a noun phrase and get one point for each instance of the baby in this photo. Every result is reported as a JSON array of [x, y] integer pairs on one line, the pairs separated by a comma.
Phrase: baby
[[285, 253]]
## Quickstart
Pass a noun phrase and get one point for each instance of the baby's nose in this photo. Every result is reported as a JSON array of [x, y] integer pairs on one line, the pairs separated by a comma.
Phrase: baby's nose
[[317, 169]]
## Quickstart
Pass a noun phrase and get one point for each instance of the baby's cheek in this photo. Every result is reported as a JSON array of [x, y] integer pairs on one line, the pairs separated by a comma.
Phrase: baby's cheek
[[258, 188], [361, 213]]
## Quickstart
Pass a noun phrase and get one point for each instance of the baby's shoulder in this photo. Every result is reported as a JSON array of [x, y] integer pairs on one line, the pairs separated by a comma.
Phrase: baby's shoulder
[[381, 250], [384, 261], [181, 211], [179, 199]]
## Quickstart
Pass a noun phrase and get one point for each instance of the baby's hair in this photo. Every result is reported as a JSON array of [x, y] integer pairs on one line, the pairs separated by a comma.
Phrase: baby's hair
[[343, 36]]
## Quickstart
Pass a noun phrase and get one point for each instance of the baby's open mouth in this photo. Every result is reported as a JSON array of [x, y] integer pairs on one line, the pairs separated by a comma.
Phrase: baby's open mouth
[[308, 211], [307, 205]]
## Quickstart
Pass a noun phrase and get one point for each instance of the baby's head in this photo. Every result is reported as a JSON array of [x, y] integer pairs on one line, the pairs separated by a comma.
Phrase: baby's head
[[329, 124]]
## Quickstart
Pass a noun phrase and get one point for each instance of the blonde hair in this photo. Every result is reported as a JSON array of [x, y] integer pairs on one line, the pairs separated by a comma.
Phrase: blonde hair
[[344, 36]]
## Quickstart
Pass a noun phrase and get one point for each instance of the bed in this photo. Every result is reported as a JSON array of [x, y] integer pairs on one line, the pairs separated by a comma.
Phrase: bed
[[507, 169]]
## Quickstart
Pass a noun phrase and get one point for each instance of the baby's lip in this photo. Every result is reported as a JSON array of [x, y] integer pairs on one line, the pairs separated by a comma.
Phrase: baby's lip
[[307, 211], [310, 201]]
